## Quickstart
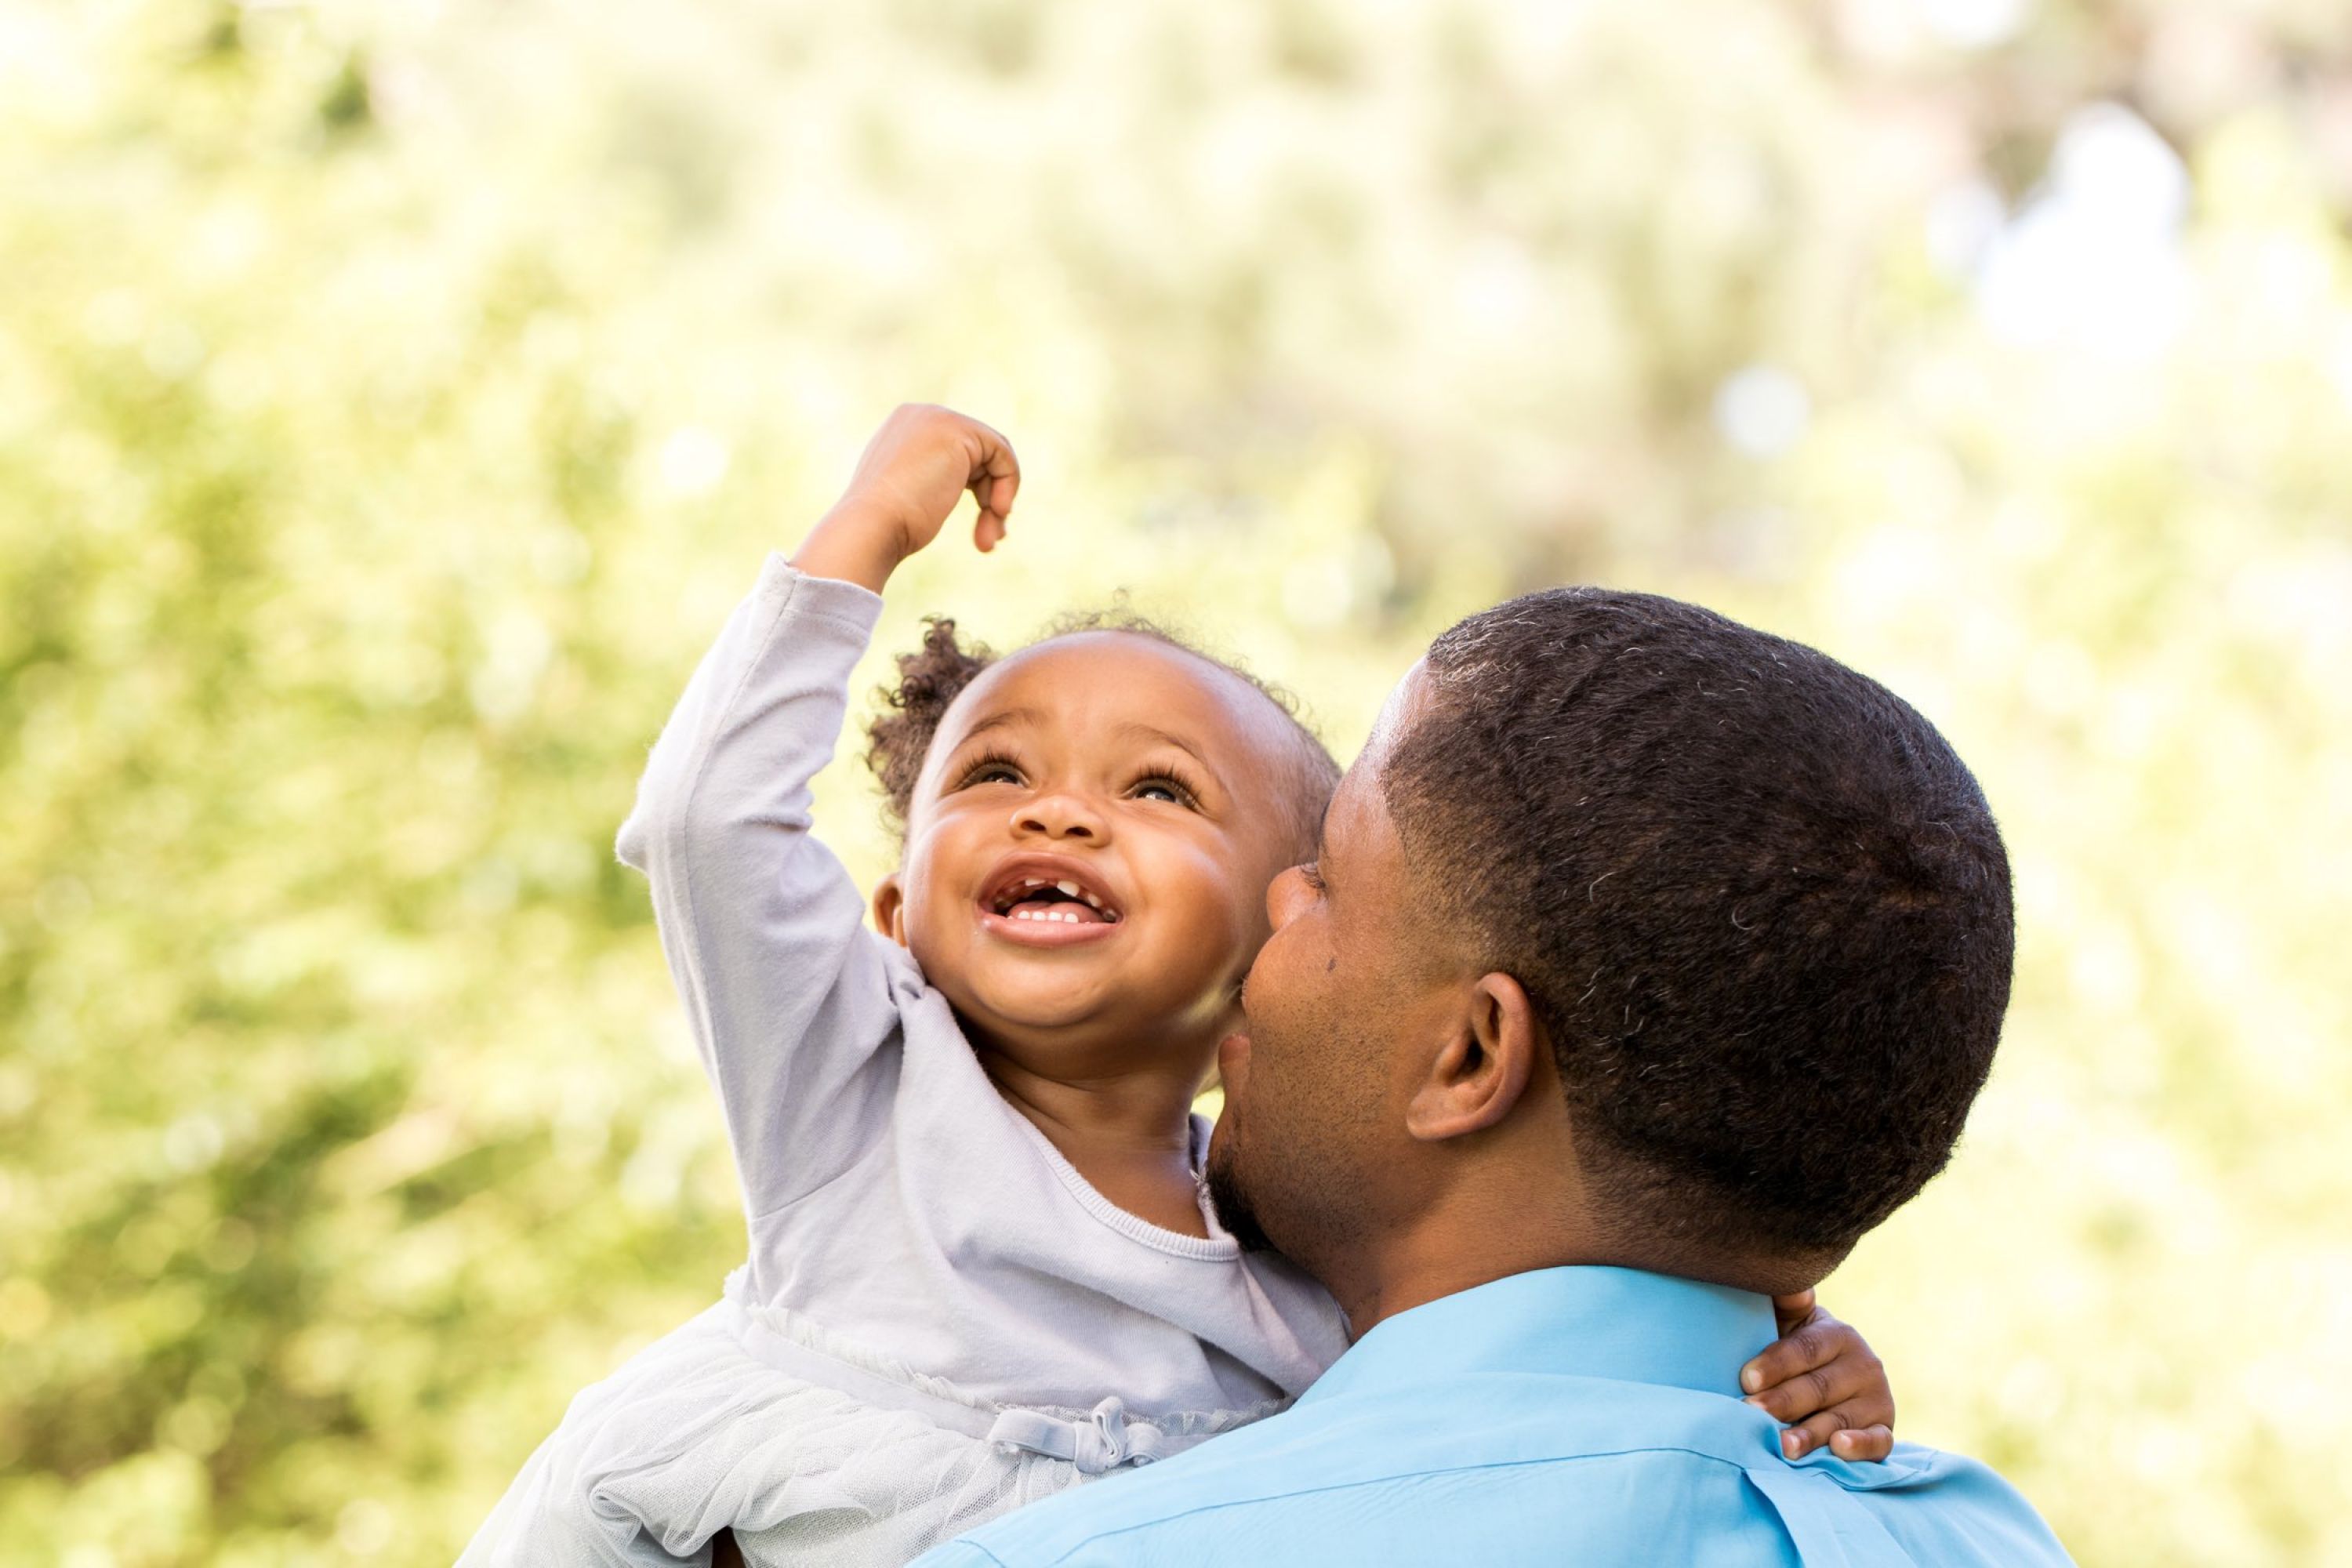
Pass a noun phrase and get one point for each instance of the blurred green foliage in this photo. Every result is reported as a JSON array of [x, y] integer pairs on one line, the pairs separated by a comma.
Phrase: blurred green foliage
[[392, 399]]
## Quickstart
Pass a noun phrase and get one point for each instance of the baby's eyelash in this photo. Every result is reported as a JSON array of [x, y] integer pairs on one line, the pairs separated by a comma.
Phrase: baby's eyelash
[[1174, 780], [985, 760], [979, 765], [1311, 873]]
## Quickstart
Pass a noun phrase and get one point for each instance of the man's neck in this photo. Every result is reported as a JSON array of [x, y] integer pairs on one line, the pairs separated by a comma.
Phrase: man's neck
[[1451, 1247], [1475, 1239]]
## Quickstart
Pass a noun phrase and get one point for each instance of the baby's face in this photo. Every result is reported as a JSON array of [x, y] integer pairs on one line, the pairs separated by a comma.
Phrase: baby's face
[[1089, 848]]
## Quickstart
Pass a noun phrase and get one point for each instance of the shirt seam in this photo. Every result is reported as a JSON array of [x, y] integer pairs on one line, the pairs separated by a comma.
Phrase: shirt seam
[[1207, 1508]]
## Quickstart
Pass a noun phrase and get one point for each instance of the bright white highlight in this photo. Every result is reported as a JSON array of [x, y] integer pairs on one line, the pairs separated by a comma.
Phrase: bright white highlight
[[2093, 261], [1762, 410]]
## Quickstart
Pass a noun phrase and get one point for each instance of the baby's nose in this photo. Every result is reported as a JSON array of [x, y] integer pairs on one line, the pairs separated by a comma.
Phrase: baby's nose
[[1063, 815]]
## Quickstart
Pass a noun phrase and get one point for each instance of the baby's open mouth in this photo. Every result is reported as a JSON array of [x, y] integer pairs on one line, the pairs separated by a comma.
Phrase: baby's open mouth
[[1051, 900]]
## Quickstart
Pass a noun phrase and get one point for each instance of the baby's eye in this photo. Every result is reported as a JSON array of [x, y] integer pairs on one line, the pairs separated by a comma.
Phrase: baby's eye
[[1312, 875], [1168, 790], [991, 772]]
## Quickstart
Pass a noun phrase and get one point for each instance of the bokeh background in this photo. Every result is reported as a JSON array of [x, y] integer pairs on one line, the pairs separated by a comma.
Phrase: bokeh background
[[393, 398]]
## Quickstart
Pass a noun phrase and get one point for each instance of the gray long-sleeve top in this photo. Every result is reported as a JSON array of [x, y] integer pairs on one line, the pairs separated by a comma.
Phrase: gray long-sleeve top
[[895, 1199]]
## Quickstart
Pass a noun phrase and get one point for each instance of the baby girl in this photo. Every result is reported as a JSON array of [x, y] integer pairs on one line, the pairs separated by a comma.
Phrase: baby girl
[[983, 1268]]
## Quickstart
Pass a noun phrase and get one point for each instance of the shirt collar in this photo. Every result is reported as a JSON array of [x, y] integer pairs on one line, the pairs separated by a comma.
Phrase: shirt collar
[[1617, 1323]]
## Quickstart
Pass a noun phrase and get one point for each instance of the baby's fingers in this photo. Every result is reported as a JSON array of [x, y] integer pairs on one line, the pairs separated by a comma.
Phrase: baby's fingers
[[1806, 1346], [1830, 1386], [1852, 1381], [1845, 1432], [1867, 1445], [995, 480]]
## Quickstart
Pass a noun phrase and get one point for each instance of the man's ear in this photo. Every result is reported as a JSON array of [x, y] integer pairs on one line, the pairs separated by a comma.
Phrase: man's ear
[[1479, 1075], [890, 909]]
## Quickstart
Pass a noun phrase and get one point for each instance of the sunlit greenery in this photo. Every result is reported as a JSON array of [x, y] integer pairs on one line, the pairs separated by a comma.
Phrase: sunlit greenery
[[395, 396]]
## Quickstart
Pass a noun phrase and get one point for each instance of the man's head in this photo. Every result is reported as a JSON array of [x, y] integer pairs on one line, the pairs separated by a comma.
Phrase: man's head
[[1681, 945]]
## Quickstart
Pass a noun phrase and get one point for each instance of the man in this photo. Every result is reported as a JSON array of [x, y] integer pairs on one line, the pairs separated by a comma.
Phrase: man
[[1648, 962]]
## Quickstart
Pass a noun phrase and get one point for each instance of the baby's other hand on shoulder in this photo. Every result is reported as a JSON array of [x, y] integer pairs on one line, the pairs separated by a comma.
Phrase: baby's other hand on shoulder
[[908, 480], [1821, 1380]]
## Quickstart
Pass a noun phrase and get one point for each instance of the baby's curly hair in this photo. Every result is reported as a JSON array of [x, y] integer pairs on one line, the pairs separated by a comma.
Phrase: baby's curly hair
[[931, 678]]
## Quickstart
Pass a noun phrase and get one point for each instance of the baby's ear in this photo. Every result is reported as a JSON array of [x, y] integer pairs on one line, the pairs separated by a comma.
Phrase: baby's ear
[[890, 909]]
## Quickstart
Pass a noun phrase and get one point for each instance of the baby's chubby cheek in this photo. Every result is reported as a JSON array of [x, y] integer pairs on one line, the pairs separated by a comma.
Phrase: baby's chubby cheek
[[940, 933], [1233, 1064]]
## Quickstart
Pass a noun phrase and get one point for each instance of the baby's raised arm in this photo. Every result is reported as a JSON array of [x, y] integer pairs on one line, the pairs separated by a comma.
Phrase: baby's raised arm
[[789, 999]]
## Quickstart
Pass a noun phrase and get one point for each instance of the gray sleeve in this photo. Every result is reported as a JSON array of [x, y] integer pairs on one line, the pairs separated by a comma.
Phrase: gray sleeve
[[787, 992]]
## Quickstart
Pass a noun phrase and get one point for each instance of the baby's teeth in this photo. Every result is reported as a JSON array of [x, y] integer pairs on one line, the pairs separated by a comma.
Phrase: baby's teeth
[[1068, 889], [1092, 900]]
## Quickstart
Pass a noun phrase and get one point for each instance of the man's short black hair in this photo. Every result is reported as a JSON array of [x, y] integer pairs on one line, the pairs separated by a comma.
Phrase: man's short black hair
[[1759, 904]]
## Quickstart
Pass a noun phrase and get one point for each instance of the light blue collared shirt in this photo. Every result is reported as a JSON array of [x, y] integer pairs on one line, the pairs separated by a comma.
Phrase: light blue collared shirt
[[1565, 1416]]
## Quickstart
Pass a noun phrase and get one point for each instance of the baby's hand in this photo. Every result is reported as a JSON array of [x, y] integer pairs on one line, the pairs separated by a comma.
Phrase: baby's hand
[[909, 477], [1821, 1378]]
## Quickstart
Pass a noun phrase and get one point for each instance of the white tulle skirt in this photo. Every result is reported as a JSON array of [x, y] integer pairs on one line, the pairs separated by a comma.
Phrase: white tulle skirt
[[811, 1450]]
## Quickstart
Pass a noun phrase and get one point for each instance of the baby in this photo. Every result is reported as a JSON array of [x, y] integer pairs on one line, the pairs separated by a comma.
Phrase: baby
[[982, 1266]]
